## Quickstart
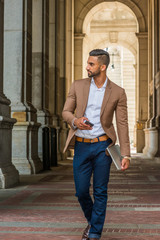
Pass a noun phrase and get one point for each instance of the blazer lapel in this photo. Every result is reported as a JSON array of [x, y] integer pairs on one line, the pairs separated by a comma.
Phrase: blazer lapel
[[106, 96], [86, 94]]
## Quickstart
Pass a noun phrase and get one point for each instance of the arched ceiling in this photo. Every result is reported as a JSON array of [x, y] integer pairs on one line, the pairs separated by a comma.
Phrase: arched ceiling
[[87, 9], [114, 11], [111, 23], [107, 16]]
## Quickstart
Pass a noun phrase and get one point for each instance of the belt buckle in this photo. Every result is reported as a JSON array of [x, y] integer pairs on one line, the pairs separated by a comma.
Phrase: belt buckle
[[92, 140]]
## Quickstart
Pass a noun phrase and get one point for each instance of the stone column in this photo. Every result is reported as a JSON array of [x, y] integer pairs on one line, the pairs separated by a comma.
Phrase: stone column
[[60, 56], [69, 70], [78, 55], [157, 76], [152, 148], [157, 84], [52, 61], [69, 62], [60, 63], [39, 66], [136, 105], [45, 99], [142, 87], [150, 82], [18, 84], [57, 69], [8, 174], [154, 62]]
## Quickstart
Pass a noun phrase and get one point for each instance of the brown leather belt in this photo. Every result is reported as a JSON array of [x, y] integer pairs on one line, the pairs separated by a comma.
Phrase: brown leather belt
[[93, 140]]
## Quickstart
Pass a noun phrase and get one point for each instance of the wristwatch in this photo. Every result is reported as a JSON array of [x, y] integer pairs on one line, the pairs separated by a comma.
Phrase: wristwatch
[[126, 157], [74, 127]]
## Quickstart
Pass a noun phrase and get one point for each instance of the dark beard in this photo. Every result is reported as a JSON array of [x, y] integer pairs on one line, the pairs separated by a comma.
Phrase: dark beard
[[94, 74]]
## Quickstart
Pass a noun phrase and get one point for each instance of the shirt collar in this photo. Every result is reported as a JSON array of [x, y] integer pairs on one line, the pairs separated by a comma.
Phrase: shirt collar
[[104, 85]]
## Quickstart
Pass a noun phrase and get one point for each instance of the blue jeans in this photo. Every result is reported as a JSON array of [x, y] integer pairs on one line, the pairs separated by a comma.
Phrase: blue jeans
[[91, 158]]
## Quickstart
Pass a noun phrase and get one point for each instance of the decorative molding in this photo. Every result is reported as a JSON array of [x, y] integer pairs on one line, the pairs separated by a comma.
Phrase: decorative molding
[[79, 35], [104, 29], [140, 125], [113, 37], [20, 116], [142, 35], [7, 119], [6, 122], [92, 3]]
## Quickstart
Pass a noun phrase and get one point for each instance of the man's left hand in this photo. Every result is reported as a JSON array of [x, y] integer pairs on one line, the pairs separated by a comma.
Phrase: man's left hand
[[125, 164]]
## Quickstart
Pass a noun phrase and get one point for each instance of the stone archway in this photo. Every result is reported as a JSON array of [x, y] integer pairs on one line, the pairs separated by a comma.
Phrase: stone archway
[[84, 15], [91, 4]]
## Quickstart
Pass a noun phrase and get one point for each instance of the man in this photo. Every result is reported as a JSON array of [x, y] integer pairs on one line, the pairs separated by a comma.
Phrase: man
[[95, 99]]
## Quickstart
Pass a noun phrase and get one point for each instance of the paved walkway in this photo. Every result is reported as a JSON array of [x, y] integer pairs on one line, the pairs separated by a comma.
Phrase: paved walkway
[[44, 205]]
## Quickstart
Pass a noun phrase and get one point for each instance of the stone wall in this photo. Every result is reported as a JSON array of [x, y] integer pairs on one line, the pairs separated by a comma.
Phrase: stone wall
[[8, 174]]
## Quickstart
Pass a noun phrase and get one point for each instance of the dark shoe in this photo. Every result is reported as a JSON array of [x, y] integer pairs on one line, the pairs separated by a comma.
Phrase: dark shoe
[[86, 233]]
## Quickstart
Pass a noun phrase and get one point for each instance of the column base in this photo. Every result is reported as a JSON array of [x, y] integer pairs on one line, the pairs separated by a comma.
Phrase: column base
[[43, 119], [145, 149], [25, 148], [34, 159], [9, 176], [36, 164], [55, 120], [151, 142], [140, 140], [23, 166], [157, 159], [27, 166], [158, 144]]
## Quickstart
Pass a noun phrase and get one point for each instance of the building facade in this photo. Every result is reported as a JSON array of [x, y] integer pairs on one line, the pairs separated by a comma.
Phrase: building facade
[[44, 46]]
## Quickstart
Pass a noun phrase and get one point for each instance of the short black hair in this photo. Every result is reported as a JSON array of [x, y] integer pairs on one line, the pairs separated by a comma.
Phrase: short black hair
[[103, 56]]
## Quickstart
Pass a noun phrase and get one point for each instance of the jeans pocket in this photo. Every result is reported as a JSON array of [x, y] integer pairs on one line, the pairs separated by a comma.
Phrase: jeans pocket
[[78, 148]]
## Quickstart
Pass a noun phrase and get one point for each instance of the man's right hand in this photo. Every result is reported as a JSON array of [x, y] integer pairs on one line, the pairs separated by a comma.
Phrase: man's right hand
[[79, 123]]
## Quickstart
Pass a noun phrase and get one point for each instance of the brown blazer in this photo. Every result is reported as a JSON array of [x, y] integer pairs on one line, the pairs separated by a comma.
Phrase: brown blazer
[[114, 101]]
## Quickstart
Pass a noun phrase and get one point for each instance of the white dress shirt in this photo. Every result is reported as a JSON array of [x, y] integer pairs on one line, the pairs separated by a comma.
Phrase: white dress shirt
[[93, 110]]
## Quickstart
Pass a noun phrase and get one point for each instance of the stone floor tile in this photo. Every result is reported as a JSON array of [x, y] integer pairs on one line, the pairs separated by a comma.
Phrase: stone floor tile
[[44, 206]]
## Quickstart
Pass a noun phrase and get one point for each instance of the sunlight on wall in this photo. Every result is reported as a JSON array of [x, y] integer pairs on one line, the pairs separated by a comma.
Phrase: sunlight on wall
[[112, 26]]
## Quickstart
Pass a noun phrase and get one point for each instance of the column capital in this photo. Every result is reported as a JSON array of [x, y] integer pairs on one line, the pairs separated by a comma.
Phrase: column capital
[[79, 35], [140, 124]]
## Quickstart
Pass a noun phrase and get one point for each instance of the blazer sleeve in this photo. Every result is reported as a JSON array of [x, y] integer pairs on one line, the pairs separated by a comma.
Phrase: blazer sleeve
[[70, 106], [122, 124]]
